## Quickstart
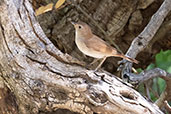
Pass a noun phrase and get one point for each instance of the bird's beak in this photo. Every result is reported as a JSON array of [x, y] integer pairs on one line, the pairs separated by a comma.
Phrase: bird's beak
[[72, 22]]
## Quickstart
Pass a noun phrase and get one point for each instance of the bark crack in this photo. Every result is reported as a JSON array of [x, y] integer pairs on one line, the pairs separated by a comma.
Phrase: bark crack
[[3, 33], [19, 36], [32, 26]]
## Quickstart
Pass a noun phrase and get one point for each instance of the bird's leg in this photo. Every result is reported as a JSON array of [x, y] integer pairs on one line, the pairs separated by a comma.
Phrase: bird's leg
[[94, 61], [89, 66], [100, 64]]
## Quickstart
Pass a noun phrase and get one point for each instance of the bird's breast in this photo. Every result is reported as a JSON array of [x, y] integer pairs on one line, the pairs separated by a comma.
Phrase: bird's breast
[[80, 42]]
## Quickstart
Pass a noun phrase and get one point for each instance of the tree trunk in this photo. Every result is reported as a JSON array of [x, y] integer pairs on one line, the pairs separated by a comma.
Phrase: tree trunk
[[43, 79]]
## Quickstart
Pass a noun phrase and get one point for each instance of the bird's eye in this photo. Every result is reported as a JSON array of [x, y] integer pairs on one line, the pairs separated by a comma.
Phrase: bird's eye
[[79, 27]]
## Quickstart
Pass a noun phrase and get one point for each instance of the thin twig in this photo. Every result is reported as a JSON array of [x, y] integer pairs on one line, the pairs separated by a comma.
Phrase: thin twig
[[168, 107], [144, 76]]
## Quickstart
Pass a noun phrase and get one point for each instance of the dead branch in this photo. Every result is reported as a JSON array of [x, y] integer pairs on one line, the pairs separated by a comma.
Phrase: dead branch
[[141, 42], [143, 39]]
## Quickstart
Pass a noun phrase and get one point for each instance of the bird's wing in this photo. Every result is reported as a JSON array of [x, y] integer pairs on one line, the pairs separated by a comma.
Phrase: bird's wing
[[101, 47]]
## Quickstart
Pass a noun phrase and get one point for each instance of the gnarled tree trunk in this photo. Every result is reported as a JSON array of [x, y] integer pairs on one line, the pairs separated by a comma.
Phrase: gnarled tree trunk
[[41, 78]]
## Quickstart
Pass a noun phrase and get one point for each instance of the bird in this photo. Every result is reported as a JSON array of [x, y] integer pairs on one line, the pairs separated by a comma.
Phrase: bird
[[93, 46]]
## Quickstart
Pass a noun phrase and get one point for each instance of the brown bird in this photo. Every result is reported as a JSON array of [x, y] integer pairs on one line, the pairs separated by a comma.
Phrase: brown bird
[[93, 46]]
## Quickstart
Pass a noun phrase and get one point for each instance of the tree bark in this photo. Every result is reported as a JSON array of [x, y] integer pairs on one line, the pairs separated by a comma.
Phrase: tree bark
[[42, 78]]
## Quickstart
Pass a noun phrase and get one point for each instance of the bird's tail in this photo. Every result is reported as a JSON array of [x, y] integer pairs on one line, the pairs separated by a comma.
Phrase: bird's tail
[[127, 58]]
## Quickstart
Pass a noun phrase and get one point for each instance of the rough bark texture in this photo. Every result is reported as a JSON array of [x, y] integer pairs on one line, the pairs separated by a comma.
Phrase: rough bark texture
[[44, 79]]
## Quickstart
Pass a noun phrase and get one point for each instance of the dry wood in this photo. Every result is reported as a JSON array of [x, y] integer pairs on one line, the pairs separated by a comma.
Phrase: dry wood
[[42, 78]]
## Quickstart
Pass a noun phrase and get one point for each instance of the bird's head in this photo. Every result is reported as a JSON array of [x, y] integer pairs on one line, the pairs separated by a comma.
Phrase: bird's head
[[82, 29]]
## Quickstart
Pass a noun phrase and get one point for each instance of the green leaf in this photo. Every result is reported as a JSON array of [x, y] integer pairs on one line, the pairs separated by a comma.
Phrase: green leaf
[[153, 98], [161, 84], [163, 60], [139, 70], [141, 89], [169, 70], [150, 66]]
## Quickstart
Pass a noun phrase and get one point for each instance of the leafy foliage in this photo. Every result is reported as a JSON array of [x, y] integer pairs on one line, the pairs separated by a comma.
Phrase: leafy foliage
[[163, 61]]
